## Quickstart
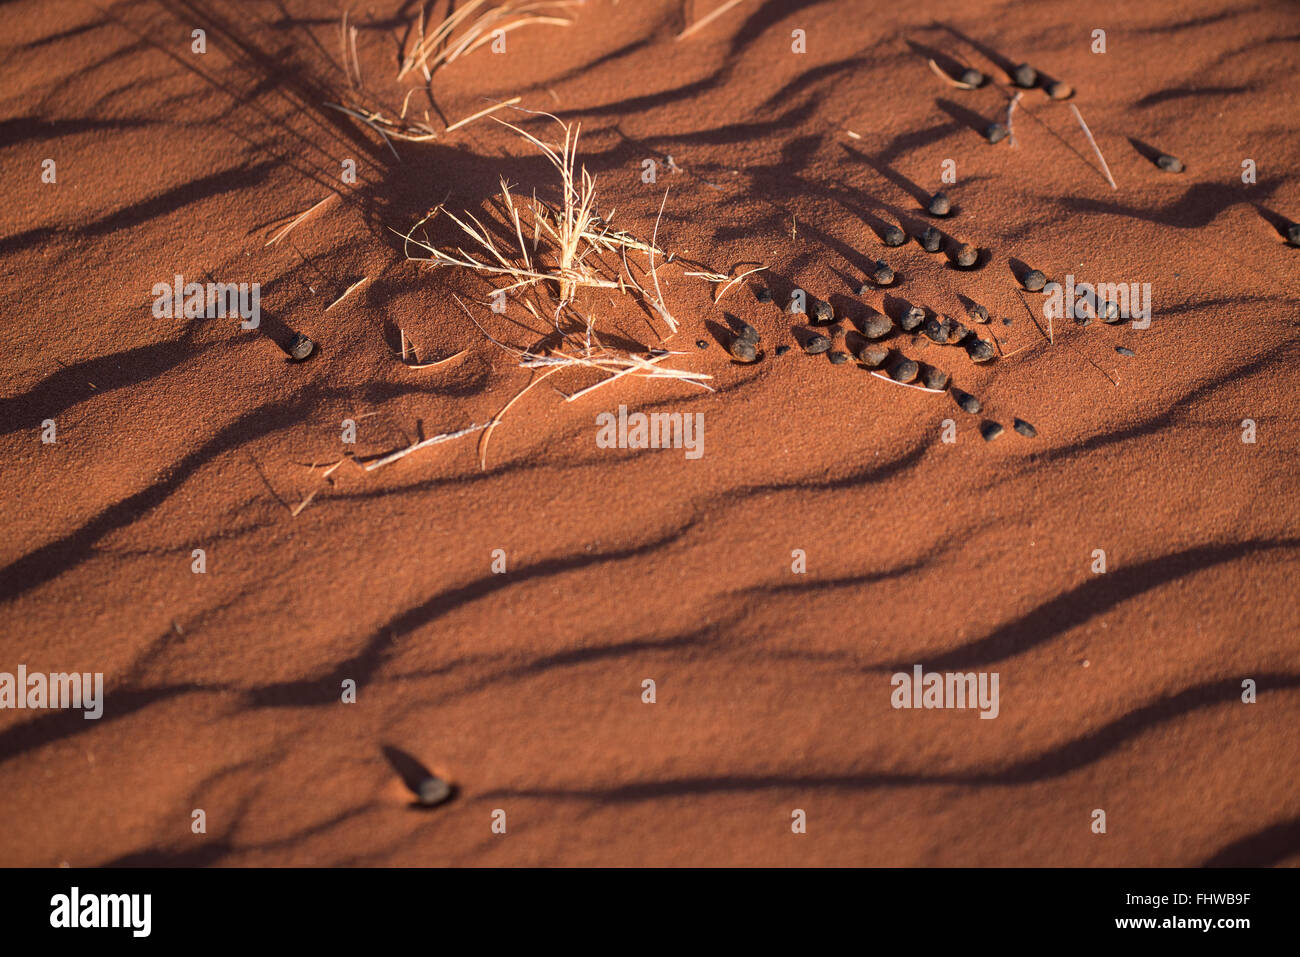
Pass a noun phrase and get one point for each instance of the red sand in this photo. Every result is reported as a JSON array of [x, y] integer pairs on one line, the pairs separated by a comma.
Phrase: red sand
[[1119, 691]]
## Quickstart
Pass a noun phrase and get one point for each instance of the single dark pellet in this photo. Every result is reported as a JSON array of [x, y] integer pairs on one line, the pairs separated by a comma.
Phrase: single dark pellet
[[935, 378], [905, 371], [980, 351], [300, 347], [873, 356], [876, 326], [966, 402], [432, 791], [816, 344]]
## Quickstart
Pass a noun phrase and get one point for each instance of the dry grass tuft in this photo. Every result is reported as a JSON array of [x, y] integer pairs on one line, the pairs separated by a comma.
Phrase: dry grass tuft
[[476, 23], [563, 247], [708, 18], [462, 31], [553, 258]]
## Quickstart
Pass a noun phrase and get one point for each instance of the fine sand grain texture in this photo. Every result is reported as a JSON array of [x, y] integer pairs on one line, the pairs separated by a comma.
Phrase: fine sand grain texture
[[498, 598]]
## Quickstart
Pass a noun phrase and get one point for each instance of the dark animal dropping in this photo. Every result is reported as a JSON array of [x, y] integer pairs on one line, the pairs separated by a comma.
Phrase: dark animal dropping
[[935, 379], [1293, 234], [822, 312], [1024, 428], [905, 371], [966, 402], [894, 236], [432, 791], [1170, 164], [744, 350], [912, 318], [966, 255], [1034, 280], [876, 326], [972, 77], [940, 205], [748, 332], [980, 351], [873, 357], [990, 430], [701, 344], [979, 313], [838, 358], [882, 275], [1059, 90], [1125, 352], [782, 350], [300, 347], [1025, 75], [995, 132], [931, 240], [816, 344], [764, 294]]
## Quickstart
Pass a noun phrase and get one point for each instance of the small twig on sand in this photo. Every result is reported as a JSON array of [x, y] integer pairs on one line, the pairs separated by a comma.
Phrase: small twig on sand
[[359, 282], [1066, 341], [481, 113], [1029, 312], [908, 385], [1011, 133], [434, 440], [298, 219], [947, 79], [1088, 133], [304, 503], [435, 362], [496, 419], [707, 19]]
